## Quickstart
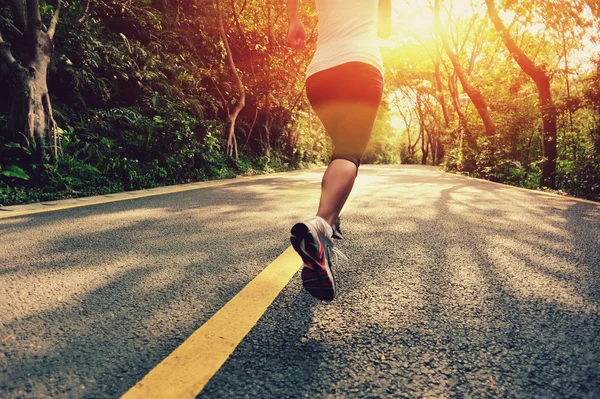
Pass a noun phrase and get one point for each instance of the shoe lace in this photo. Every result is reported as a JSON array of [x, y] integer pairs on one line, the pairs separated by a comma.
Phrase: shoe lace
[[337, 253]]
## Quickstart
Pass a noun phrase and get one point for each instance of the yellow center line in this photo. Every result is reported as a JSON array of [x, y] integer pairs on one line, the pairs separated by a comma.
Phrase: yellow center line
[[185, 372], [49, 206], [188, 368], [23, 210]]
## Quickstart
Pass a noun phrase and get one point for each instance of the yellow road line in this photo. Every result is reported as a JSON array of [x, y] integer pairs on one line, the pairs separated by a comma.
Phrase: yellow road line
[[49, 206], [185, 372], [101, 199]]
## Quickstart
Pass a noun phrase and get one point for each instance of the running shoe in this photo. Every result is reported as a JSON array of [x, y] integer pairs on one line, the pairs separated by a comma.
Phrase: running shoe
[[315, 248], [337, 231]]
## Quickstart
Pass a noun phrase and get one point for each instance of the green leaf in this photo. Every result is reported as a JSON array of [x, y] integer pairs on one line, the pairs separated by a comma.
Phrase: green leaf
[[15, 171]]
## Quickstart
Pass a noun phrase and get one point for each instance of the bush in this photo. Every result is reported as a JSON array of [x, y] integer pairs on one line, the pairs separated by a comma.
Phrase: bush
[[581, 178]]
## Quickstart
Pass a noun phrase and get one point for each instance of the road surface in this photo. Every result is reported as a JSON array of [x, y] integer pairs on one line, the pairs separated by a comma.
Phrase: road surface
[[454, 288]]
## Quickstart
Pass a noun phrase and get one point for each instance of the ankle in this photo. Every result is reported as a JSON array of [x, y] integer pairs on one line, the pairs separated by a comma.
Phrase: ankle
[[326, 225]]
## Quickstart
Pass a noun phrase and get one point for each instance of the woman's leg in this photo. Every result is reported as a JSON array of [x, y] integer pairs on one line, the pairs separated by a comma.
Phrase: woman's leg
[[345, 99], [336, 186], [349, 125]]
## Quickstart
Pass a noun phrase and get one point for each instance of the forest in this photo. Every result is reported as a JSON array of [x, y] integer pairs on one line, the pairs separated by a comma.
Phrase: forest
[[102, 96]]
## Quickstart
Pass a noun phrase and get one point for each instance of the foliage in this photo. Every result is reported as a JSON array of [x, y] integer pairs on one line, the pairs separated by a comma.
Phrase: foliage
[[579, 171], [138, 88], [431, 100]]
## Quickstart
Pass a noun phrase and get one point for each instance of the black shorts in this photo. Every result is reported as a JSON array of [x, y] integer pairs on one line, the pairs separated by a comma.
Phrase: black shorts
[[346, 99], [353, 81]]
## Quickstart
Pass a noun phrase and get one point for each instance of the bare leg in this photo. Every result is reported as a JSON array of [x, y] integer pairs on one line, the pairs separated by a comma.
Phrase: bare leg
[[336, 186]]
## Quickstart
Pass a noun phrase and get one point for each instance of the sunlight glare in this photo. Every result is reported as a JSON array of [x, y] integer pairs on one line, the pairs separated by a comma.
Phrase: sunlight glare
[[418, 23], [415, 18]]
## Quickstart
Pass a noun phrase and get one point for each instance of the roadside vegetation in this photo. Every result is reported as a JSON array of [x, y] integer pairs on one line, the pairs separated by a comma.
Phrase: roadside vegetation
[[101, 96]]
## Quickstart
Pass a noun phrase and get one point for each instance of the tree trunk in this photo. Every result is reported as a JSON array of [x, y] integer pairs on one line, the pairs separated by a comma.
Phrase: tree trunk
[[268, 120], [431, 145], [463, 126], [422, 132], [440, 93], [462, 119], [474, 94], [424, 147], [433, 134], [267, 127], [232, 149], [408, 123], [31, 109], [547, 106], [32, 97]]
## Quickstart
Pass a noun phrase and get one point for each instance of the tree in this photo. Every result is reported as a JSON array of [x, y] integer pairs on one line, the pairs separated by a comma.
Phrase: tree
[[407, 118], [31, 110], [474, 94], [541, 79], [238, 103]]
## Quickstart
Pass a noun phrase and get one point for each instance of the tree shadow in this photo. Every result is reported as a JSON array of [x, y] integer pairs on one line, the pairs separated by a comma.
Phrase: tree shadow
[[455, 288], [276, 359], [100, 297], [438, 302]]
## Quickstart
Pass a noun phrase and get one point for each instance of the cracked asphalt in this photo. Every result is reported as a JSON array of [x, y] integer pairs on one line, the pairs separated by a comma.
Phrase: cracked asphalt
[[454, 288]]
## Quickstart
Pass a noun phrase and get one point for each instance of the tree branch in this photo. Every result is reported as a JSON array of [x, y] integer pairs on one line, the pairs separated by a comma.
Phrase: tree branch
[[34, 18], [54, 21], [518, 55], [229, 55], [18, 14], [595, 7], [474, 94], [85, 11], [11, 26], [5, 53], [236, 21]]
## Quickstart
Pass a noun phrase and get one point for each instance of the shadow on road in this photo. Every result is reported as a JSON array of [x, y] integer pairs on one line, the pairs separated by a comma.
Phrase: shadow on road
[[279, 358], [102, 294], [481, 289], [455, 288]]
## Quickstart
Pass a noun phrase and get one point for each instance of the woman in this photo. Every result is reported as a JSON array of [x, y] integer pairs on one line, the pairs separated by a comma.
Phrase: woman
[[344, 84]]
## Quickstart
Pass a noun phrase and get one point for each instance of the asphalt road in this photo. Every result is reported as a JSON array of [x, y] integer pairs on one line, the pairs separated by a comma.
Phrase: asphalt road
[[454, 288]]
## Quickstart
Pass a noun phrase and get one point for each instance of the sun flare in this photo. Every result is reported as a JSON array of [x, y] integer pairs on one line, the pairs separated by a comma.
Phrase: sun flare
[[417, 23]]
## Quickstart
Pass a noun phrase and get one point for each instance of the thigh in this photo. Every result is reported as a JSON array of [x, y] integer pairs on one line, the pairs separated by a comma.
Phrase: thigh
[[349, 124], [346, 99]]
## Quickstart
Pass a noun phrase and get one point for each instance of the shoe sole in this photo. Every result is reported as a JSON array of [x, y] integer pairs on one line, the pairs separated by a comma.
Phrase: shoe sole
[[316, 279]]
